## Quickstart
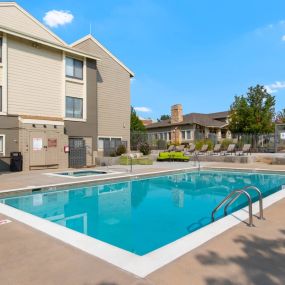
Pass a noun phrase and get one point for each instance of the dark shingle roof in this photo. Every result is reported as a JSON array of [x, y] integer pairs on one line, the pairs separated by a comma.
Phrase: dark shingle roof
[[205, 120]]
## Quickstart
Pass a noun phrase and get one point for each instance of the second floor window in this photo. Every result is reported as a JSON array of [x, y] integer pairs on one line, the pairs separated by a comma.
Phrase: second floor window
[[1, 104], [74, 108], [73, 68], [1, 43]]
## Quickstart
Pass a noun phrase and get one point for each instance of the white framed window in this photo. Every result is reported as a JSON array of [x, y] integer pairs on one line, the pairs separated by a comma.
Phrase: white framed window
[[74, 107], [112, 142], [73, 68], [2, 145], [1, 100], [1, 49], [186, 135]]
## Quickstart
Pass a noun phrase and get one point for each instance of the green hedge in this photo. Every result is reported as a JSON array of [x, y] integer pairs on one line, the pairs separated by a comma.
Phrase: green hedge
[[136, 161]]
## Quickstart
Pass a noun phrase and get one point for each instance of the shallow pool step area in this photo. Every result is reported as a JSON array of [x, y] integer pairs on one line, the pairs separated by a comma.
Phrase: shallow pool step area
[[234, 195]]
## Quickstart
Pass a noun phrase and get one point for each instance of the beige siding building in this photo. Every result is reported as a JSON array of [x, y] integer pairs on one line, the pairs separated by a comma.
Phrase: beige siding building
[[60, 105]]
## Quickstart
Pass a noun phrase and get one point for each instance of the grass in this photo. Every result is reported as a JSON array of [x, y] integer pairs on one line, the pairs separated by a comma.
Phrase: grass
[[136, 161]]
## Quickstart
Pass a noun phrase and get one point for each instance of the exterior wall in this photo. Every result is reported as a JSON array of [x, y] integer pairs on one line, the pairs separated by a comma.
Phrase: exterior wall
[[113, 94], [74, 89], [87, 130], [12, 17], [25, 146], [1, 75], [9, 126], [34, 79]]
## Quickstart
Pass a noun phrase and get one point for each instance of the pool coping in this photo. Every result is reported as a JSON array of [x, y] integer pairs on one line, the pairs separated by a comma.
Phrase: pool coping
[[148, 263]]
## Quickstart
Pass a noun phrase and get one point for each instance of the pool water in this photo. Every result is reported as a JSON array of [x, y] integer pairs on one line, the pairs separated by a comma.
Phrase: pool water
[[82, 173], [143, 215]]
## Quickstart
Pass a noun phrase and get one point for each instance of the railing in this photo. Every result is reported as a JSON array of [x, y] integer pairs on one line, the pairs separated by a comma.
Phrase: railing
[[234, 195], [197, 160]]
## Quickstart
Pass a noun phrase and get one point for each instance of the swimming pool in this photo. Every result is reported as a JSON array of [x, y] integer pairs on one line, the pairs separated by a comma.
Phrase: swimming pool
[[143, 215], [81, 173]]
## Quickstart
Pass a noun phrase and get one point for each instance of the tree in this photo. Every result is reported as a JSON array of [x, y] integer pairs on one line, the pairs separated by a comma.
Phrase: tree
[[136, 123], [280, 118], [253, 113], [164, 117]]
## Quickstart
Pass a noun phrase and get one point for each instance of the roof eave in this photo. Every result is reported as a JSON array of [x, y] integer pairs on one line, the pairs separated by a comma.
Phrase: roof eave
[[45, 42]]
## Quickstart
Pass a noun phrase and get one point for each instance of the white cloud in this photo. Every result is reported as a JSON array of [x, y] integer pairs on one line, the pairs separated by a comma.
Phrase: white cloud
[[283, 38], [143, 109], [55, 18], [275, 87]]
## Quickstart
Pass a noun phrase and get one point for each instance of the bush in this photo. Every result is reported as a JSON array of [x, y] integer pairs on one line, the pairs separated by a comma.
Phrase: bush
[[144, 148], [200, 143], [121, 149], [226, 143]]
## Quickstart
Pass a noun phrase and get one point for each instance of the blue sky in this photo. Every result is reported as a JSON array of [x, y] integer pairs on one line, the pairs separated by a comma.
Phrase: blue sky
[[199, 53]]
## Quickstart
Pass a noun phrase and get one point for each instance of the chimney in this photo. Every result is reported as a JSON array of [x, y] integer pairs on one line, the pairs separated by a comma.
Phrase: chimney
[[176, 114]]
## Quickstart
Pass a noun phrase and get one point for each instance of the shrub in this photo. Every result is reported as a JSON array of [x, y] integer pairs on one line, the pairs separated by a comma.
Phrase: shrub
[[200, 143], [226, 143], [121, 149], [144, 148]]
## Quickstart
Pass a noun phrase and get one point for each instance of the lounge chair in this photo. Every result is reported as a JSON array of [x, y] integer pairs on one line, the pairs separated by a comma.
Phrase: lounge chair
[[204, 149], [171, 148], [179, 148], [191, 149], [246, 149], [217, 149], [172, 156], [231, 149]]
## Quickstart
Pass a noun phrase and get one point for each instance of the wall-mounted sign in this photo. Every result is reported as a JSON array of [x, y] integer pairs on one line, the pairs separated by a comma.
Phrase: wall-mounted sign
[[282, 136], [37, 143], [52, 142]]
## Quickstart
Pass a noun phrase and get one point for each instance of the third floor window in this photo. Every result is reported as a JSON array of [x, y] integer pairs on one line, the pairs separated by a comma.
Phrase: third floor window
[[74, 68]]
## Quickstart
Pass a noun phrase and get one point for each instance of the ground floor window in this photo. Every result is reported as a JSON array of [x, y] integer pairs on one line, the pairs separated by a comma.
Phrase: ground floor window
[[2, 145], [109, 144], [186, 135]]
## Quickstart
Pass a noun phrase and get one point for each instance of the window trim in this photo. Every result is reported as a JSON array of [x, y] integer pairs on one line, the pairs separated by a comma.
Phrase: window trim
[[4, 144], [185, 135], [106, 137], [73, 76], [82, 111], [1, 99], [1, 50]]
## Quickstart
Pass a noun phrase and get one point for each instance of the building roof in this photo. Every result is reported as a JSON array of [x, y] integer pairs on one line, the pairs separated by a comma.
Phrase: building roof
[[205, 120], [90, 37]]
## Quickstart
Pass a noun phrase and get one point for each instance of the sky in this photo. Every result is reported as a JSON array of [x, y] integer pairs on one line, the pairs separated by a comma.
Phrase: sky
[[200, 53]]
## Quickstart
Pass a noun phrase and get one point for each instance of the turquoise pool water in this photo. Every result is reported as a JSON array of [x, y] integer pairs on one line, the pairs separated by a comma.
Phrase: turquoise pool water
[[143, 215]]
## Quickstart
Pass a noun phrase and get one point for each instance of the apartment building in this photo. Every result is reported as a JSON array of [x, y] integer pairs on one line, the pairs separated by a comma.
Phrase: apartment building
[[60, 105]]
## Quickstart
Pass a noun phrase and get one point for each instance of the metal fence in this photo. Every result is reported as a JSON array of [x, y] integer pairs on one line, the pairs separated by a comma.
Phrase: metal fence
[[273, 142]]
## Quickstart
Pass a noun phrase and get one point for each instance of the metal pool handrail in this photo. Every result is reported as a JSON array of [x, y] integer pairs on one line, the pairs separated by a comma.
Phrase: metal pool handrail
[[197, 160], [237, 192], [260, 198]]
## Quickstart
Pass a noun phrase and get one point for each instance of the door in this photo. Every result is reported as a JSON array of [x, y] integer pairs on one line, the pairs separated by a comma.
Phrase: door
[[37, 149], [77, 152], [52, 145]]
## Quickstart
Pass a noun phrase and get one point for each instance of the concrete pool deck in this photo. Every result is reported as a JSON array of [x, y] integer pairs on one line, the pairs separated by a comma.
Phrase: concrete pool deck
[[241, 255], [40, 178], [31, 257]]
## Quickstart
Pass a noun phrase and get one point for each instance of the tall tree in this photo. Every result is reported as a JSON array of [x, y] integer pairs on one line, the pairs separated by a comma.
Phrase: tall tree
[[253, 113], [280, 118], [164, 117], [136, 124]]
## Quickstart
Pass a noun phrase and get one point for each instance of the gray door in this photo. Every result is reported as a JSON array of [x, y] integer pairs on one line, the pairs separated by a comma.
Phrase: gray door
[[77, 152]]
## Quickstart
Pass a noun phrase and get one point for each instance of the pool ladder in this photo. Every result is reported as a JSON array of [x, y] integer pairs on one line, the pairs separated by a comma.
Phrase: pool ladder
[[234, 195]]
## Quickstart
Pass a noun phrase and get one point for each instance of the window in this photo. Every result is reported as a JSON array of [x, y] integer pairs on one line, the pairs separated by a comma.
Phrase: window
[[1, 100], [1, 43], [2, 145], [73, 68], [186, 135], [74, 108]]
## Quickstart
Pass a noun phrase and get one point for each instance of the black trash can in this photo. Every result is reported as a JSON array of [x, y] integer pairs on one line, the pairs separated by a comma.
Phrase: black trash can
[[16, 163]]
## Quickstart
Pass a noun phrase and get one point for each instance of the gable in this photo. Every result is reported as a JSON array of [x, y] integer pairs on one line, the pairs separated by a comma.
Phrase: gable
[[15, 18], [91, 45]]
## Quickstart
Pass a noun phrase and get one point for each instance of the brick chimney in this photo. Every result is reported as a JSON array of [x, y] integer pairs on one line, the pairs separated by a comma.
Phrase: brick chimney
[[176, 114]]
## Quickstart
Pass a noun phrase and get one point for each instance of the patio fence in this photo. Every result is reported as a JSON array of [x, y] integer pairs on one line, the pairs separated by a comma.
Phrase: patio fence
[[267, 143]]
